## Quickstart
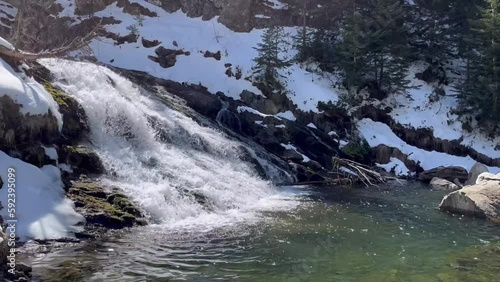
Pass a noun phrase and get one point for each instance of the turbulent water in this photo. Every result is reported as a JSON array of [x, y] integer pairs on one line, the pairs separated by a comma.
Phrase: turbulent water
[[371, 235], [183, 174]]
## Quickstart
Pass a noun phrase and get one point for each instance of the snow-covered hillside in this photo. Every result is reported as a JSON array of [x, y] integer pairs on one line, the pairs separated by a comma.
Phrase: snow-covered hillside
[[305, 88]]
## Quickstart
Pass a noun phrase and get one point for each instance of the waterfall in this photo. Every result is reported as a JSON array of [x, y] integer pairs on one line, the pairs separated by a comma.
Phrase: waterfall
[[181, 173]]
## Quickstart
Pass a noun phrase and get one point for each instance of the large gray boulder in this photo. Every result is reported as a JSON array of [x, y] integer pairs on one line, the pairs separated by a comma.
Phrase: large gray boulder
[[449, 173], [443, 184], [475, 171], [479, 200]]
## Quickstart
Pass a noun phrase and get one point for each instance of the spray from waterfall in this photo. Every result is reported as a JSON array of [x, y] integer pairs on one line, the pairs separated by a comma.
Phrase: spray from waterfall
[[180, 172]]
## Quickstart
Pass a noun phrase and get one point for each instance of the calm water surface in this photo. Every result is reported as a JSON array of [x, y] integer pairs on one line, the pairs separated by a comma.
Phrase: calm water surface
[[390, 234]]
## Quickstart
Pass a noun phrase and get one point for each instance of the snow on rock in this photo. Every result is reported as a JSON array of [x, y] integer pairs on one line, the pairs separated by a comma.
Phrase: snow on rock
[[311, 125], [287, 115], [377, 133], [396, 166], [291, 147], [6, 44], [42, 211], [51, 153], [33, 97], [275, 4]]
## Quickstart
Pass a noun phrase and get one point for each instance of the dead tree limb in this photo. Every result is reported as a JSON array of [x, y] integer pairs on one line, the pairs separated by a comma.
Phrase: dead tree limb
[[363, 173]]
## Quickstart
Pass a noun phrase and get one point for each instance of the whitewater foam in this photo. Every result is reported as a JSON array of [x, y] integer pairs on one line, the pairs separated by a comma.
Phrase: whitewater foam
[[180, 172]]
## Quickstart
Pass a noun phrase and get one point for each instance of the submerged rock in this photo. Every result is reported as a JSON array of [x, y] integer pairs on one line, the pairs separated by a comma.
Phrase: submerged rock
[[448, 173], [479, 200], [443, 184]]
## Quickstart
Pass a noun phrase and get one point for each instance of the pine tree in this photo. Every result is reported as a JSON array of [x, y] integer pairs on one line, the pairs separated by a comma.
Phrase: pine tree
[[480, 91], [373, 52], [271, 55], [432, 35], [352, 51], [302, 42]]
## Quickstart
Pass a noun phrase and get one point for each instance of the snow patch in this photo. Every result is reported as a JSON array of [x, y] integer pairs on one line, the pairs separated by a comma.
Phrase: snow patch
[[397, 166], [51, 153], [23, 90], [42, 210], [6, 44], [287, 115]]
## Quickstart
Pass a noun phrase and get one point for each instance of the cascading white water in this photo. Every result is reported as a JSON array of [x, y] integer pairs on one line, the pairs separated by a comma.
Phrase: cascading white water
[[196, 177]]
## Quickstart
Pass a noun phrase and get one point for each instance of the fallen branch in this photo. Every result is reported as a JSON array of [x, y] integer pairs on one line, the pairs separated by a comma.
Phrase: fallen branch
[[364, 174]]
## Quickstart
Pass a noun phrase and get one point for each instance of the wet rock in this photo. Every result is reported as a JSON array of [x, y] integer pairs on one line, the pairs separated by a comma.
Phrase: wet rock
[[448, 173], [443, 184], [82, 159], [104, 207], [479, 200], [292, 155]]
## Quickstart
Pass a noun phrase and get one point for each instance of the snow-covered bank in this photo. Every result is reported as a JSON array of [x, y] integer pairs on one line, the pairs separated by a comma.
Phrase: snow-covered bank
[[377, 133], [41, 208]]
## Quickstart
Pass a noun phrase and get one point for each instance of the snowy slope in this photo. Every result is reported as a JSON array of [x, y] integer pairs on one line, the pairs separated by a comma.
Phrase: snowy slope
[[418, 112], [42, 210], [197, 36]]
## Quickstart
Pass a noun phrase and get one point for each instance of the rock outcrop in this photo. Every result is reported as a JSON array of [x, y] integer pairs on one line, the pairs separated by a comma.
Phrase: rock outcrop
[[479, 200], [449, 173]]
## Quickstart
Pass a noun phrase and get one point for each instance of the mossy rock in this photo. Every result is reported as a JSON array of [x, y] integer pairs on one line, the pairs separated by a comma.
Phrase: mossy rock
[[358, 151], [75, 122], [110, 210], [82, 159]]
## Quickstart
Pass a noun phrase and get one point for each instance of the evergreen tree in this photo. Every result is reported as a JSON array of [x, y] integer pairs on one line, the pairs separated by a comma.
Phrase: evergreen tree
[[352, 51], [373, 52], [480, 91], [432, 35], [302, 42], [271, 55]]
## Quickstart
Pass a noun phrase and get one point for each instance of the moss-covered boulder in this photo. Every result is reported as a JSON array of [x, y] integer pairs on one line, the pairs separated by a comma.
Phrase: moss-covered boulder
[[82, 159], [104, 207], [75, 122]]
